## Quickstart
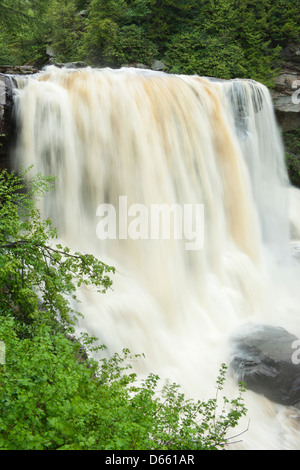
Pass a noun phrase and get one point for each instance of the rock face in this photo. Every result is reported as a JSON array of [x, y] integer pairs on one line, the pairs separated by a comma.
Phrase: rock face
[[70, 65], [18, 69], [6, 119], [7, 124], [266, 359], [286, 95]]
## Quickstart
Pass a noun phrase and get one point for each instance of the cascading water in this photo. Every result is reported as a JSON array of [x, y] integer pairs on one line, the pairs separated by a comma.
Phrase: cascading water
[[136, 139]]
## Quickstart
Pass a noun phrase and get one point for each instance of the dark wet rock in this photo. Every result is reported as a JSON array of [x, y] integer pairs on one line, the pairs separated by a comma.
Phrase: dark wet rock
[[18, 69], [135, 65], [7, 125], [70, 65], [265, 358], [285, 95], [158, 65]]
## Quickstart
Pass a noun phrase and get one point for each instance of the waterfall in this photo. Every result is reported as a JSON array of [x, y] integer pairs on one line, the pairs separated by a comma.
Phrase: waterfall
[[207, 155]]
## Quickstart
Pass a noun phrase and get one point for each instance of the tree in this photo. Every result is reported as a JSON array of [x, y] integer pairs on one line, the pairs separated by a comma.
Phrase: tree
[[283, 22], [133, 46], [114, 33], [38, 278], [253, 32], [138, 12], [65, 29], [192, 52], [144, 25], [228, 39], [168, 17], [99, 42], [23, 31]]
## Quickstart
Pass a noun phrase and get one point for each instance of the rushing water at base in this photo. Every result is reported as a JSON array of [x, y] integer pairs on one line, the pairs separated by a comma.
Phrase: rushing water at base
[[145, 139]]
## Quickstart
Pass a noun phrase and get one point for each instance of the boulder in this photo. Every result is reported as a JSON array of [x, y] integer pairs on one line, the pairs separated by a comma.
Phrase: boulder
[[266, 359], [70, 65], [158, 66], [135, 65]]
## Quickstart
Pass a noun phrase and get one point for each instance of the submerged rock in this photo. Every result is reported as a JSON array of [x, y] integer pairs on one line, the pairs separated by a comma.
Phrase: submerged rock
[[265, 358]]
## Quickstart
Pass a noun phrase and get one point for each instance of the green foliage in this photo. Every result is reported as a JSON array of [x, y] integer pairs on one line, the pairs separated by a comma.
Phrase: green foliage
[[284, 24], [113, 33], [168, 17], [36, 276], [52, 398], [65, 28], [191, 52], [227, 40], [23, 37], [100, 39], [252, 29], [133, 46], [223, 38], [53, 395]]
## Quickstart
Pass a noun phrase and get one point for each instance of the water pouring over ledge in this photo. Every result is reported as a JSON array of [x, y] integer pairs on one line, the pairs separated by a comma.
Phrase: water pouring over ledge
[[165, 140]]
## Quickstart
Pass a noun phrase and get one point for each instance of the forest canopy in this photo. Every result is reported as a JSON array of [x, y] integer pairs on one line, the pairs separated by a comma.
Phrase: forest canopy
[[221, 38]]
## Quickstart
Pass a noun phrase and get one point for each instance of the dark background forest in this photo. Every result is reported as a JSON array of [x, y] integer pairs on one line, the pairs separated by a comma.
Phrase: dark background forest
[[220, 38]]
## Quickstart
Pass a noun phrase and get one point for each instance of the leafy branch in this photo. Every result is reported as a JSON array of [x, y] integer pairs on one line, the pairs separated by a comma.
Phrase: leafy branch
[[36, 275], [86, 265]]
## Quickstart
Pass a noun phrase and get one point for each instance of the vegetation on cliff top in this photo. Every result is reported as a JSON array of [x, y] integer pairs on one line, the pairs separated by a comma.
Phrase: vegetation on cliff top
[[221, 38]]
